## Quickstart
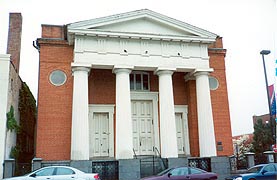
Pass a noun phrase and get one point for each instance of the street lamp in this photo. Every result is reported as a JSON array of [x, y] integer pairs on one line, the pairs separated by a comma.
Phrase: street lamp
[[263, 53]]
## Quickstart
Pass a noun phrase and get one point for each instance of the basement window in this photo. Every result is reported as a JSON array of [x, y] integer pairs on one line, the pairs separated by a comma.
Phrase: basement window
[[57, 77], [139, 81]]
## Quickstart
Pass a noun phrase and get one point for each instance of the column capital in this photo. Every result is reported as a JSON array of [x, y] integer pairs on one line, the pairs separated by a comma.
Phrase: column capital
[[201, 73], [162, 71], [122, 70], [80, 68], [197, 72]]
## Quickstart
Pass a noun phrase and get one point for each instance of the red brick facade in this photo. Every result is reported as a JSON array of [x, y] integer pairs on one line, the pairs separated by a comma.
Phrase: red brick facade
[[55, 103], [219, 98]]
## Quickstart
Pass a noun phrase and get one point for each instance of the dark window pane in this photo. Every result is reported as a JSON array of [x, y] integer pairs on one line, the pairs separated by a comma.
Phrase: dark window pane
[[45, 172], [138, 81], [145, 82], [132, 81], [64, 171]]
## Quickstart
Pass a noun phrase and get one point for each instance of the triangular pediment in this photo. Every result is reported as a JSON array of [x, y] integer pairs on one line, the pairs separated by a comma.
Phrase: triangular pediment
[[141, 23], [145, 25]]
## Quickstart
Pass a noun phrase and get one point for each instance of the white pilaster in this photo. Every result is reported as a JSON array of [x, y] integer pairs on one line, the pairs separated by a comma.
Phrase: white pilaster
[[80, 123], [124, 133], [167, 115], [205, 116], [4, 84]]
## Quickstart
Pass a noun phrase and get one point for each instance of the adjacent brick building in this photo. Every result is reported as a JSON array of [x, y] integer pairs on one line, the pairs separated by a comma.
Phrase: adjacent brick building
[[17, 141]]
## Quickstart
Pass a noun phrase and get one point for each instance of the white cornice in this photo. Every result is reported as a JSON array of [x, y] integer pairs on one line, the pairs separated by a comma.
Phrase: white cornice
[[5, 57], [100, 33]]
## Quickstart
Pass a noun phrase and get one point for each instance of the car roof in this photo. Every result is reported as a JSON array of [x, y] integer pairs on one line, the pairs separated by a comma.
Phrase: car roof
[[188, 167], [264, 164], [57, 166]]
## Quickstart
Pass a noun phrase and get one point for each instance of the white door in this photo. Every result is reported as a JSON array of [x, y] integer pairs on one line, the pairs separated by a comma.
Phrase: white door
[[180, 133], [99, 135], [142, 115]]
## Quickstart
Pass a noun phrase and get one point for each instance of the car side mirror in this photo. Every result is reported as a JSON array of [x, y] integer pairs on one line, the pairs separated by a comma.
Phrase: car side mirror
[[264, 171], [169, 174]]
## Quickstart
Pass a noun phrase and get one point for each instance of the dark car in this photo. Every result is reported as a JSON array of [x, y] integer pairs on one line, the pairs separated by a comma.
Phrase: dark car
[[179, 173], [261, 171]]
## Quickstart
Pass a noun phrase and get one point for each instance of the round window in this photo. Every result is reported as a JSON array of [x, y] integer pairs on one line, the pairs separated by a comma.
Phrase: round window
[[57, 77], [213, 83]]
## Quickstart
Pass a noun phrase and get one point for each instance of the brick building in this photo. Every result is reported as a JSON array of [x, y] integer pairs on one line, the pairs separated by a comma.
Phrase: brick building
[[15, 143], [129, 85]]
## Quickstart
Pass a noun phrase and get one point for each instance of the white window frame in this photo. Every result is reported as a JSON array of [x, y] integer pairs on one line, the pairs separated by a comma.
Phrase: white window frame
[[183, 109], [141, 73], [150, 96], [105, 108]]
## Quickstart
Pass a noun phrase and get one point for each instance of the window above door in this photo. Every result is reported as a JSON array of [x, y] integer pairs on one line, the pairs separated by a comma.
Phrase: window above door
[[139, 81]]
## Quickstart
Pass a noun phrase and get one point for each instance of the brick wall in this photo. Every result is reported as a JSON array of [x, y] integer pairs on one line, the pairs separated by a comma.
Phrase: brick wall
[[219, 97], [14, 39], [53, 31], [192, 118], [179, 89], [101, 87], [54, 102]]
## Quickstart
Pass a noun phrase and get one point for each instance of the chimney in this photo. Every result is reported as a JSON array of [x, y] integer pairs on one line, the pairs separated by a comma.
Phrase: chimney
[[14, 39]]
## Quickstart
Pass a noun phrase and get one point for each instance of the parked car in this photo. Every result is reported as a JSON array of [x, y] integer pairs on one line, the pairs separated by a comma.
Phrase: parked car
[[261, 171], [183, 173], [57, 173]]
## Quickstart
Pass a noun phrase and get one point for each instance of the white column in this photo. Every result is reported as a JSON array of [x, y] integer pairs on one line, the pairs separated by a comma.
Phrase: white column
[[167, 115], [205, 116], [124, 129], [80, 124]]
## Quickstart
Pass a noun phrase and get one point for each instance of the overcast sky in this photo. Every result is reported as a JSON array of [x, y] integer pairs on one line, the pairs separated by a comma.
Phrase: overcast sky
[[247, 27]]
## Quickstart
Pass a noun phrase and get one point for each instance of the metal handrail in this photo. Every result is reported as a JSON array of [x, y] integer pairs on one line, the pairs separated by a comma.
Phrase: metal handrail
[[135, 153], [156, 149], [159, 155]]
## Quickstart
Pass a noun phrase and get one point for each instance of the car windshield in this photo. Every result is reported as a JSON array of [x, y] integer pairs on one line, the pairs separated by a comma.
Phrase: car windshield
[[163, 172], [254, 169]]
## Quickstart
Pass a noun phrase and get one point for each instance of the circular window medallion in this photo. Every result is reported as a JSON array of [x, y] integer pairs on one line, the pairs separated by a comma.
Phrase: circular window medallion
[[213, 83], [57, 77]]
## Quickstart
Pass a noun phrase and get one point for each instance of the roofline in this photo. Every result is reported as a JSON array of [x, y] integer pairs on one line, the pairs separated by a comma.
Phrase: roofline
[[135, 14]]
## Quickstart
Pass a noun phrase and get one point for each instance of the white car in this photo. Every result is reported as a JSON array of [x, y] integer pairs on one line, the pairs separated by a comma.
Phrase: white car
[[57, 173]]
